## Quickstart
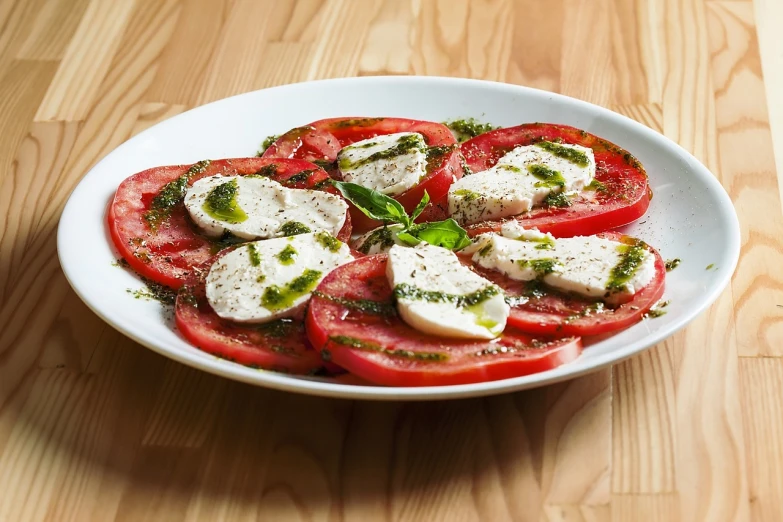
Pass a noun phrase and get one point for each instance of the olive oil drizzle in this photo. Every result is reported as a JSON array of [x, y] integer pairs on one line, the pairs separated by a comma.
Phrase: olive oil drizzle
[[353, 342]]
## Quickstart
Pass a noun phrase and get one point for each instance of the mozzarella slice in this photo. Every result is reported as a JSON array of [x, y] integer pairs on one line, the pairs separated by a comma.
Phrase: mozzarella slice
[[521, 180], [390, 164], [266, 280], [437, 294], [379, 240], [253, 207], [586, 265]]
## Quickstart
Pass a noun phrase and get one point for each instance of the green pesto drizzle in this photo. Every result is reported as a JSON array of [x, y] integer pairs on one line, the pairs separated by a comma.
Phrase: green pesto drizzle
[[406, 291], [575, 156], [221, 203], [266, 171], [325, 163], [298, 177], [544, 243], [711, 266], [468, 128], [171, 194], [382, 236], [597, 186], [226, 240], [286, 256], [276, 298], [671, 264], [557, 199], [485, 250], [624, 270], [293, 228], [328, 241], [277, 329], [361, 305], [657, 310], [352, 342], [467, 195], [252, 252], [512, 168], [549, 178], [405, 144], [268, 141], [541, 266], [356, 122], [435, 156]]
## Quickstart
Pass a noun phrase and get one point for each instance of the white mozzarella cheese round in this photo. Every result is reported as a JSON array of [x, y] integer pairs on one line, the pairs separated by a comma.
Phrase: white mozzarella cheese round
[[517, 183], [390, 164], [265, 280], [437, 294], [379, 240], [582, 265], [265, 207]]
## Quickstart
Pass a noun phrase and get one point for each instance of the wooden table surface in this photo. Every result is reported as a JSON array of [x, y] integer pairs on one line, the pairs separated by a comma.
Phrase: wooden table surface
[[95, 427]]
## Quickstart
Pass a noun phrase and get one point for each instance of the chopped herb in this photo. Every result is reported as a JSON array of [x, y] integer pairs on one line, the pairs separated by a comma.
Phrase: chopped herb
[[711, 266], [155, 291]]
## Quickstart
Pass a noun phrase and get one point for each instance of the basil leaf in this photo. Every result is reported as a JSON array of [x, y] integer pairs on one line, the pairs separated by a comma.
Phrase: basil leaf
[[372, 203], [446, 234], [407, 238], [420, 207]]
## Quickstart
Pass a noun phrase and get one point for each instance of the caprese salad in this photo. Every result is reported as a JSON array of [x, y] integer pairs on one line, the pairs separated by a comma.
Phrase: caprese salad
[[397, 250]]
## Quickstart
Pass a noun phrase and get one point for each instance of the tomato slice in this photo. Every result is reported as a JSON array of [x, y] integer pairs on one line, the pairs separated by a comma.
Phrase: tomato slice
[[544, 311], [322, 140], [623, 198], [352, 321], [280, 345], [168, 253]]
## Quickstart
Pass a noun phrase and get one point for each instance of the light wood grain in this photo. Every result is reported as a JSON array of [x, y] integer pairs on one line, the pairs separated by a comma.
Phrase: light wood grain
[[95, 427]]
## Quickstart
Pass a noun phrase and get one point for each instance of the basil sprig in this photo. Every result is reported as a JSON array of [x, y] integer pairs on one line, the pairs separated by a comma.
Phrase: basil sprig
[[380, 207]]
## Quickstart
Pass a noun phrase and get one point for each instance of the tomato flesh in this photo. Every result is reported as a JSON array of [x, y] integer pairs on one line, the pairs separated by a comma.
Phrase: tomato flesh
[[548, 312], [322, 140], [373, 342], [623, 198], [279, 346], [168, 253]]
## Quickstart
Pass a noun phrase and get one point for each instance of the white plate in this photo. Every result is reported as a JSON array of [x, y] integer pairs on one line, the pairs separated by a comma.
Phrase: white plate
[[691, 217]]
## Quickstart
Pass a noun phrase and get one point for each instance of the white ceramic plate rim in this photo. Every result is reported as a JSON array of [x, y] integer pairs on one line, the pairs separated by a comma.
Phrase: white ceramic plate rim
[[68, 254]]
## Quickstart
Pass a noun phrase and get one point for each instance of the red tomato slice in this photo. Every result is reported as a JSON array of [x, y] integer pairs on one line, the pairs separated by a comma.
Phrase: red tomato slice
[[167, 254], [624, 197], [323, 139], [280, 345], [549, 312], [351, 320]]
